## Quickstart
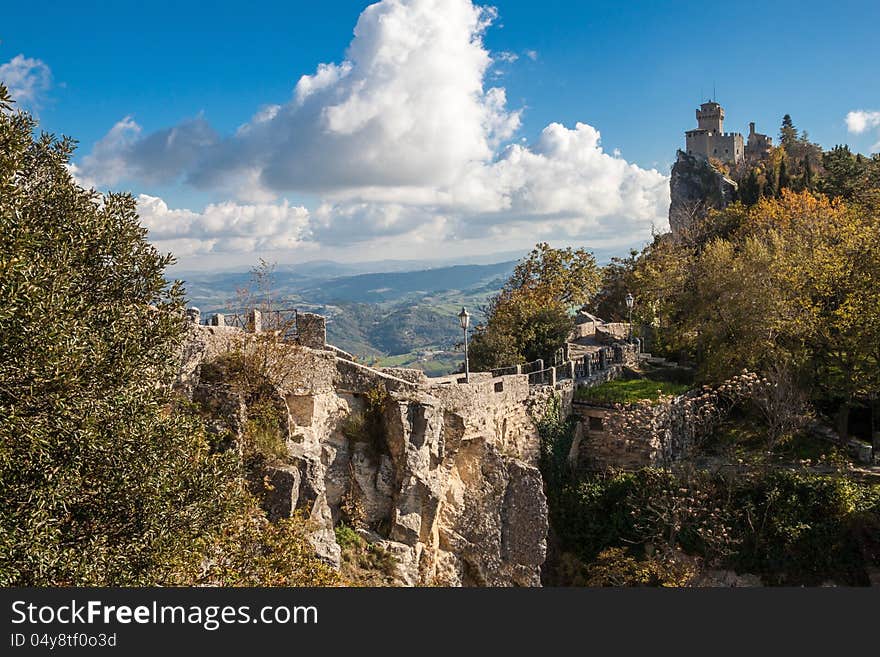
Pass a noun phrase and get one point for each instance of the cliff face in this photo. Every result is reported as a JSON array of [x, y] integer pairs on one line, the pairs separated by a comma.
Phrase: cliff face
[[448, 484], [696, 187]]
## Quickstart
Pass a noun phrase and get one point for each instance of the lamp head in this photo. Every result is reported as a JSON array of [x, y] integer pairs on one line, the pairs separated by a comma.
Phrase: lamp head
[[629, 300], [463, 318]]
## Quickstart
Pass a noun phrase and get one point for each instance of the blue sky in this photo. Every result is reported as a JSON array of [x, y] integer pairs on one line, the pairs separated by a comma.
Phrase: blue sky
[[632, 71]]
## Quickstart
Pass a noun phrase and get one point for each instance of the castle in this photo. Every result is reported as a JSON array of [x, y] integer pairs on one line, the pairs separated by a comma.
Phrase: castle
[[710, 140]]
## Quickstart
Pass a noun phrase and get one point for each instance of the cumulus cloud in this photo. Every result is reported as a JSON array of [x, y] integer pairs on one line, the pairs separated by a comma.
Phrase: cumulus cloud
[[402, 139], [27, 79], [160, 157], [859, 121], [223, 227]]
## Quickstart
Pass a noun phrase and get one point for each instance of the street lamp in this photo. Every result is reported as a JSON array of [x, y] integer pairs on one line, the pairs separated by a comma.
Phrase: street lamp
[[464, 319], [629, 304]]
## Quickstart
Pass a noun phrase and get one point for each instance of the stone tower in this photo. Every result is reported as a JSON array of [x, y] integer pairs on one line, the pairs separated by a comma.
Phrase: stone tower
[[710, 140], [710, 116]]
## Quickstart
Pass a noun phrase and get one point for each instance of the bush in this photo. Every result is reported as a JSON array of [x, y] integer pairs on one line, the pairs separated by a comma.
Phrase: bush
[[790, 528], [107, 478]]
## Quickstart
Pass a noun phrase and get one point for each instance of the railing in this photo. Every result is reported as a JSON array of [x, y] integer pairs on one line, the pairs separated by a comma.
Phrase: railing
[[582, 368], [280, 319]]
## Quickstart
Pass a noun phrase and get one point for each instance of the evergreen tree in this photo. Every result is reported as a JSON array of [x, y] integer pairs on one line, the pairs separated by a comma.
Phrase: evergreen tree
[[842, 172], [106, 479], [750, 190], [784, 181], [769, 189], [808, 174], [788, 134]]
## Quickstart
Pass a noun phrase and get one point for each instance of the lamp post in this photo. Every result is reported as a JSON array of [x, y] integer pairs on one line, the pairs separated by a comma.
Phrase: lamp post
[[629, 305], [464, 319]]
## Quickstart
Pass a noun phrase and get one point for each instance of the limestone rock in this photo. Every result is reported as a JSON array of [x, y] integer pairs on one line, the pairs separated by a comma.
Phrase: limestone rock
[[695, 187], [448, 487], [283, 494]]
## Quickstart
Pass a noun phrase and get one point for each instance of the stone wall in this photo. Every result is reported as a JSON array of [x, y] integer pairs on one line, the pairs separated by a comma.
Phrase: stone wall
[[311, 330], [451, 488], [596, 448]]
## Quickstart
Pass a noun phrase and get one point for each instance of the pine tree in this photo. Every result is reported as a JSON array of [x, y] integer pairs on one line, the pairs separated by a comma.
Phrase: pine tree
[[842, 170], [750, 190], [769, 183], [784, 181], [808, 174], [788, 134]]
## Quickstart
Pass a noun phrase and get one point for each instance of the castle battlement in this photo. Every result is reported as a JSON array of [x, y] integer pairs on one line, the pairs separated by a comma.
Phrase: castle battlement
[[708, 139]]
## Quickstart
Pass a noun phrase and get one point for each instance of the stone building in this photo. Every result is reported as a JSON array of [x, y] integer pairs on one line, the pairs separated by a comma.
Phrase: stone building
[[758, 146], [709, 138]]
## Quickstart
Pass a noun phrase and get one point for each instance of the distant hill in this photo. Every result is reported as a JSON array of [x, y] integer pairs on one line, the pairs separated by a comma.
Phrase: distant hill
[[405, 318], [215, 291], [394, 286]]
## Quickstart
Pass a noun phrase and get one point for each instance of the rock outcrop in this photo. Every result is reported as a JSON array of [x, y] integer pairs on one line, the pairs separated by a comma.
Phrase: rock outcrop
[[695, 187], [441, 475]]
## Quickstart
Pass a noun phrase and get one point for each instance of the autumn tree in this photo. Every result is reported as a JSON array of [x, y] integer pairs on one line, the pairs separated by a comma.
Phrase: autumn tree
[[609, 302], [530, 317], [794, 285]]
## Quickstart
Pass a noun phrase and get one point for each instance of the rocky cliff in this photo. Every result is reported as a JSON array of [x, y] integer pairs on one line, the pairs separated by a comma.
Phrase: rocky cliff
[[441, 475], [696, 186]]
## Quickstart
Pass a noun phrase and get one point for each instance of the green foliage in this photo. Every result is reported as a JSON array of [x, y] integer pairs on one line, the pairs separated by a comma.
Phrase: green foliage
[[790, 528], [363, 563], [609, 302], [251, 551], [347, 538], [842, 172], [103, 481], [788, 134], [556, 433], [368, 426], [107, 478], [263, 433], [617, 567], [530, 318], [794, 284]]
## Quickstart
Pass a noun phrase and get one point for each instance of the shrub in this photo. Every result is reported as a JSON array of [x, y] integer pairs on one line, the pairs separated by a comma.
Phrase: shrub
[[790, 528]]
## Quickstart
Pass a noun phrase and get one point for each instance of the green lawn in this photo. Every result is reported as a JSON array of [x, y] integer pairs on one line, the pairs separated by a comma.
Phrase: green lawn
[[625, 392]]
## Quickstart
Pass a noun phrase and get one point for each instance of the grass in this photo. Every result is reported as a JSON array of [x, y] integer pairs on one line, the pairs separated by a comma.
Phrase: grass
[[628, 391], [363, 563]]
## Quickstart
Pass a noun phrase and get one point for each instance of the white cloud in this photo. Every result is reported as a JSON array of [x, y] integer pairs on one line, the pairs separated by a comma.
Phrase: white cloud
[[400, 141], [506, 56], [223, 227], [27, 79], [859, 121]]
